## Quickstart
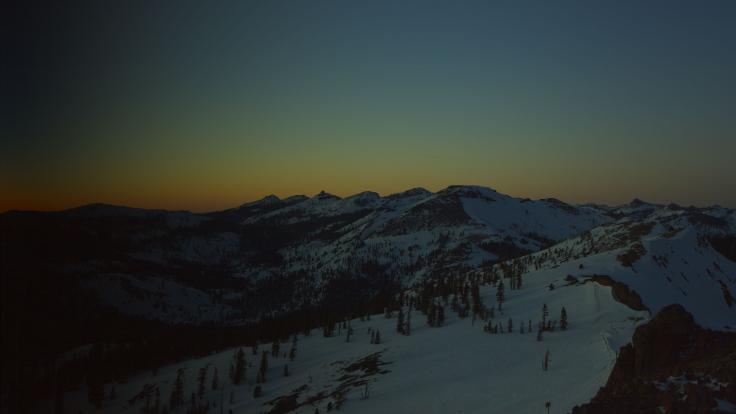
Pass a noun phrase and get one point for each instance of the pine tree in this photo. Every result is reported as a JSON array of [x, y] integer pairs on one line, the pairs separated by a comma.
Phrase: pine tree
[[539, 333], [545, 314], [349, 333], [431, 316], [215, 380], [237, 369], [201, 376], [275, 348], [475, 295], [500, 295], [177, 393], [440, 315], [511, 325], [378, 337], [563, 319], [286, 370], [264, 366], [400, 321], [545, 362]]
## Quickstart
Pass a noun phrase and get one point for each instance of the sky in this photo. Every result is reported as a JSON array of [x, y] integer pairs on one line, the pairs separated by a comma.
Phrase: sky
[[206, 105]]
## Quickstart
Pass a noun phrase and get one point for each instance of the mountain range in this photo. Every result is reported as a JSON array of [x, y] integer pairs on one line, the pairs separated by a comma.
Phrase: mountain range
[[108, 274]]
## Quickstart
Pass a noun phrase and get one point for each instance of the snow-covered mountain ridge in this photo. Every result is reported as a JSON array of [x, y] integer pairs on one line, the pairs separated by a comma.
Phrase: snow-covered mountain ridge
[[672, 255], [273, 268], [274, 255]]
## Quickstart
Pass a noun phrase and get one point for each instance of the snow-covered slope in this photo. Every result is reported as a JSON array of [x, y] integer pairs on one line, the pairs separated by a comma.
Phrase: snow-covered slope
[[454, 368], [670, 256], [290, 262]]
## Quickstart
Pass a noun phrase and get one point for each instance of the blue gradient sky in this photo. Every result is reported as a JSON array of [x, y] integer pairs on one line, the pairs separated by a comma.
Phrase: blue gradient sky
[[204, 106]]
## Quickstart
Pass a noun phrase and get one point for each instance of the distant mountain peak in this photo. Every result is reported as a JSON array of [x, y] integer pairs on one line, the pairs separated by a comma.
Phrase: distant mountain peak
[[469, 191], [269, 199], [638, 202], [323, 195], [412, 192]]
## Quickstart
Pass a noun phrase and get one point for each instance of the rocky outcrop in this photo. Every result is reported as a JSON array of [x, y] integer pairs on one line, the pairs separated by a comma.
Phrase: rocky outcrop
[[671, 366], [621, 292]]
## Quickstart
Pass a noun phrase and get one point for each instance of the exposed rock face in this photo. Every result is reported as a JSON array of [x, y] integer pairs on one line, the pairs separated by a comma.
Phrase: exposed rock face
[[621, 292], [674, 365]]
